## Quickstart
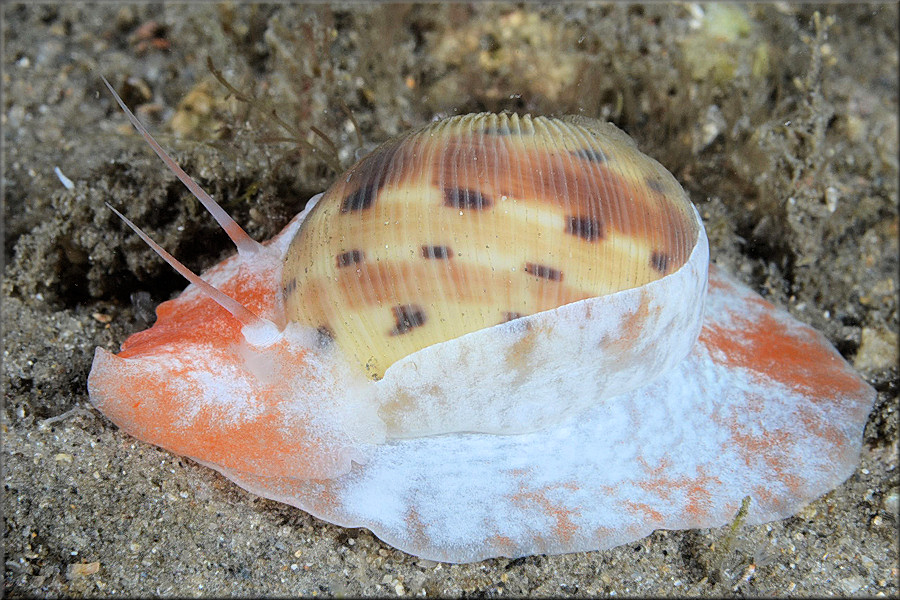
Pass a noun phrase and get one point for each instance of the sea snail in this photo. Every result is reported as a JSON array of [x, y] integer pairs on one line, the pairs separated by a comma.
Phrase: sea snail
[[496, 335]]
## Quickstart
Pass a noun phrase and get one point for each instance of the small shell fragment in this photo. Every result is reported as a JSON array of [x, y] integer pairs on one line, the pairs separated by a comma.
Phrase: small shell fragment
[[67, 183]]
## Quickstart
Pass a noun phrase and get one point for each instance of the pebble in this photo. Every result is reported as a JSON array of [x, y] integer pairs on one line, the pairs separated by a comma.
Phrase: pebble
[[891, 502], [706, 131], [853, 584], [82, 569], [877, 349]]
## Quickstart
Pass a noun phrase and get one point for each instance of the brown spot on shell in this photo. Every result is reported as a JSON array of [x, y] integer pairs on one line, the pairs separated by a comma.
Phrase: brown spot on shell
[[659, 261], [500, 130], [462, 198], [351, 257], [543, 271], [407, 317], [590, 154], [656, 185], [360, 199], [586, 228], [441, 252]]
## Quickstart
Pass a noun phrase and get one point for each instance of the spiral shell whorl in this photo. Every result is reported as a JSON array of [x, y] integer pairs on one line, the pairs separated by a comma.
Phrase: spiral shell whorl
[[476, 220]]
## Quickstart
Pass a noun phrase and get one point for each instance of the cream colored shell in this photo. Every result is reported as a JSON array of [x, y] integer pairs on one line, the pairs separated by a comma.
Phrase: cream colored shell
[[477, 220]]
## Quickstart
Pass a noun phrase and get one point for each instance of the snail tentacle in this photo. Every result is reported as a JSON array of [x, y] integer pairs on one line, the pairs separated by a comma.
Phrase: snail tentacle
[[246, 245], [256, 330]]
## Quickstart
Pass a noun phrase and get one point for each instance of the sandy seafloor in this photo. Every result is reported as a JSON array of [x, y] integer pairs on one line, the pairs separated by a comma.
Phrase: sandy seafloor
[[783, 133]]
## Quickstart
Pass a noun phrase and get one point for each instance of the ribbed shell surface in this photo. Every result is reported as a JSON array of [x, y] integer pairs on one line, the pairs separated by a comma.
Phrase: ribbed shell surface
[[477, 220]]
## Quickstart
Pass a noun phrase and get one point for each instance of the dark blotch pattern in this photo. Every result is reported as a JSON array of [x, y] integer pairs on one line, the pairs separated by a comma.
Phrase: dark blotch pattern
[[590, 154], [437, 252], [659, 261], [543, 271], [351, 257], [503, 130], [655, 185], [463, 198], [325, 335], [585, 228], [361, 199], [406, 318], [289, 287]]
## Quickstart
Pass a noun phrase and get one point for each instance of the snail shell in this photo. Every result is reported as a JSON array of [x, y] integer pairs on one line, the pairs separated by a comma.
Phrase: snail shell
[[479, 220]]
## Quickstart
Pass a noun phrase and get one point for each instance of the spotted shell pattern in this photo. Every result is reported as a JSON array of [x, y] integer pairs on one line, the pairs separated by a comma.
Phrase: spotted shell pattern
[[478, 220]]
